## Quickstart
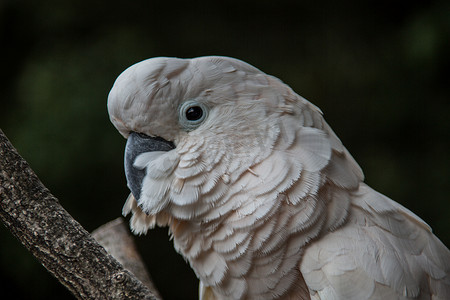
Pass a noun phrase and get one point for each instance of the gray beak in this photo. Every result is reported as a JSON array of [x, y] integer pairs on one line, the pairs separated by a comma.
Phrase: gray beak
[[137, 144]]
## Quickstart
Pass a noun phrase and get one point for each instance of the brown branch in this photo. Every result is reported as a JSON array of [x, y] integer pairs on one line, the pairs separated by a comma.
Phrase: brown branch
[[115, 237], [35, 217]]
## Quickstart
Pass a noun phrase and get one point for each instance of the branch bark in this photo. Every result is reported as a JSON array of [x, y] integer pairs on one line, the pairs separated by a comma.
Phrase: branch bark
[[61, 244], [115, 237]]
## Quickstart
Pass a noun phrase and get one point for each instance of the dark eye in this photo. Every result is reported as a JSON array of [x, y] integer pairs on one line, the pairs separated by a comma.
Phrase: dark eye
[[194, 113]]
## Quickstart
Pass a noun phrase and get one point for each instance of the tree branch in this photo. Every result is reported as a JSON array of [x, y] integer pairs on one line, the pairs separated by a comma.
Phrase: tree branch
[[35, 217], [115, 237]]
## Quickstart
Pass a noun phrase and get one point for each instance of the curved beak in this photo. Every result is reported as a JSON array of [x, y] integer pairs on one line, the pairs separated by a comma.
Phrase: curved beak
[[137, 144]]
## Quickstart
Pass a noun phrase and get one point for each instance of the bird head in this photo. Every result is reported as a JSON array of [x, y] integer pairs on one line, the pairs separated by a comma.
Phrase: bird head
[[169, 107]]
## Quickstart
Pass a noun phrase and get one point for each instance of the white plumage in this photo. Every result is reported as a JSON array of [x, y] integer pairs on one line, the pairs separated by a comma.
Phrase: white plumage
[[261, 196]]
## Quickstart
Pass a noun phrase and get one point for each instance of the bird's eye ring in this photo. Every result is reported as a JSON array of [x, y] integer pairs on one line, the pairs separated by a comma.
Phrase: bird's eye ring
[[191, 114]]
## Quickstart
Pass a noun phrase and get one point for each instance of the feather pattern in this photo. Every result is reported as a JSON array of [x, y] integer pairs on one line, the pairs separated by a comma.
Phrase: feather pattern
[[263, 199]]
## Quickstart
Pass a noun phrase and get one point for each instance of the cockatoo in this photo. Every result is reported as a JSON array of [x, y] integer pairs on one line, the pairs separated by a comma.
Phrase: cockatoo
[[259, 193]]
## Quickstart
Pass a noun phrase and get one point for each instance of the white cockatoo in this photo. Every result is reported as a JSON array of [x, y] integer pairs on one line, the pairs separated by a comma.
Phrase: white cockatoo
[[260, 195]]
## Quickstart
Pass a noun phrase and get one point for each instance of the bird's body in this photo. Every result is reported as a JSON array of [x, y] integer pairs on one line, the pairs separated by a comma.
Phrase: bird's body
[[260, 195]]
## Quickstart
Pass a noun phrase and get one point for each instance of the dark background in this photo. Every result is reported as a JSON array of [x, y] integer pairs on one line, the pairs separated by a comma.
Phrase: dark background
[[379, 70]]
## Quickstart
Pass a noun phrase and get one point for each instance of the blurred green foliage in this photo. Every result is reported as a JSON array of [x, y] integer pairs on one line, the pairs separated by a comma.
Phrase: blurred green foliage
[[379, 70]]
